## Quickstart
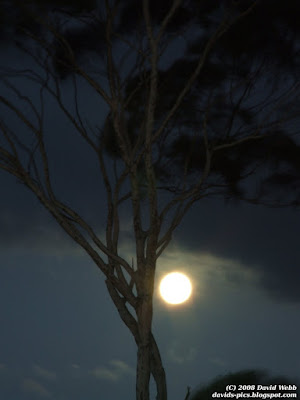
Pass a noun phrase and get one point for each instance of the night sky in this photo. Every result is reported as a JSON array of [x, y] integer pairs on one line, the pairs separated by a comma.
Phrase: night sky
[[61, 337]]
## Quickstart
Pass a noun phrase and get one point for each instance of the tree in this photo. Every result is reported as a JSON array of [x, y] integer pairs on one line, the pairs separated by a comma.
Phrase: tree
[[180, 126]]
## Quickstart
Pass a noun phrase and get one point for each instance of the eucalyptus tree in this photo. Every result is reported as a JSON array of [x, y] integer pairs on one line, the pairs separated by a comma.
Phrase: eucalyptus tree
[[198, 103]]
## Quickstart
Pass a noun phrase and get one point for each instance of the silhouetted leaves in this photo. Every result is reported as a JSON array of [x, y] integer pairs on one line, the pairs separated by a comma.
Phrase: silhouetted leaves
[[88, 38], [250, 378], [254, 55], [131, 17], [19, 16]]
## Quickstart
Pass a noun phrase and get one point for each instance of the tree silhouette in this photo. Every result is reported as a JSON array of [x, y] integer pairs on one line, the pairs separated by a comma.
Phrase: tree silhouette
[[251, 378], [199, 103]]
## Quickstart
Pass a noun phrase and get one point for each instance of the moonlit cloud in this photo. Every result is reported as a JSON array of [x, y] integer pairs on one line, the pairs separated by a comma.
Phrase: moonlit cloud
[[199, 262], [105, 373], [44, 373], [181, 354], [201, 267], [32, 386], [207, 270], [122, 367], [116, 370]]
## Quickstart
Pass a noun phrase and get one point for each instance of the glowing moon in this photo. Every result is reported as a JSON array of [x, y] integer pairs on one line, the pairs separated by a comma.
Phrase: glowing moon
[[175, 288]]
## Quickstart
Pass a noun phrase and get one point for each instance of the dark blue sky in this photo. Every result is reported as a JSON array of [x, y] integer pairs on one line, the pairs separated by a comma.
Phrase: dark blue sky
[[61, 337]]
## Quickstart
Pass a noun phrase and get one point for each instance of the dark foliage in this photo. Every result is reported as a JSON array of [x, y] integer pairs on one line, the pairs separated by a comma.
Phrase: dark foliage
[[227, 102], [243, 378]]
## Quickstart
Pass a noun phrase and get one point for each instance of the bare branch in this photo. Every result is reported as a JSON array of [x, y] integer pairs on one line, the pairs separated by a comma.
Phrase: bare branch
[[222, 28], [167, 19]]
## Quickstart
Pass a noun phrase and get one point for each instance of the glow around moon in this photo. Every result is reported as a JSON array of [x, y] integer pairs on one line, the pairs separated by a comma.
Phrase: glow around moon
[[175, 288]]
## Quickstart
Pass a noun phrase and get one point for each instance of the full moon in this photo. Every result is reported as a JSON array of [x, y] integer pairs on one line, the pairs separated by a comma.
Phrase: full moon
[[175, 288]]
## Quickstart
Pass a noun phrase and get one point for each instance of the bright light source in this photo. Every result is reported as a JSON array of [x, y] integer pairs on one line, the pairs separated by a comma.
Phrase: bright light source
[[175, 288]]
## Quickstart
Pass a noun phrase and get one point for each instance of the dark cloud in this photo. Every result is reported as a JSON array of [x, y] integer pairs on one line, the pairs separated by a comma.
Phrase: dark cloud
[[261, 238]]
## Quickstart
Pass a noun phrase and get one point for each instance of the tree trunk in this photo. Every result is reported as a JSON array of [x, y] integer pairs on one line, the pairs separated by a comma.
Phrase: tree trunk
[[148, 357], [143, 373], [144, 314], [149, 362], [157, 371]]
